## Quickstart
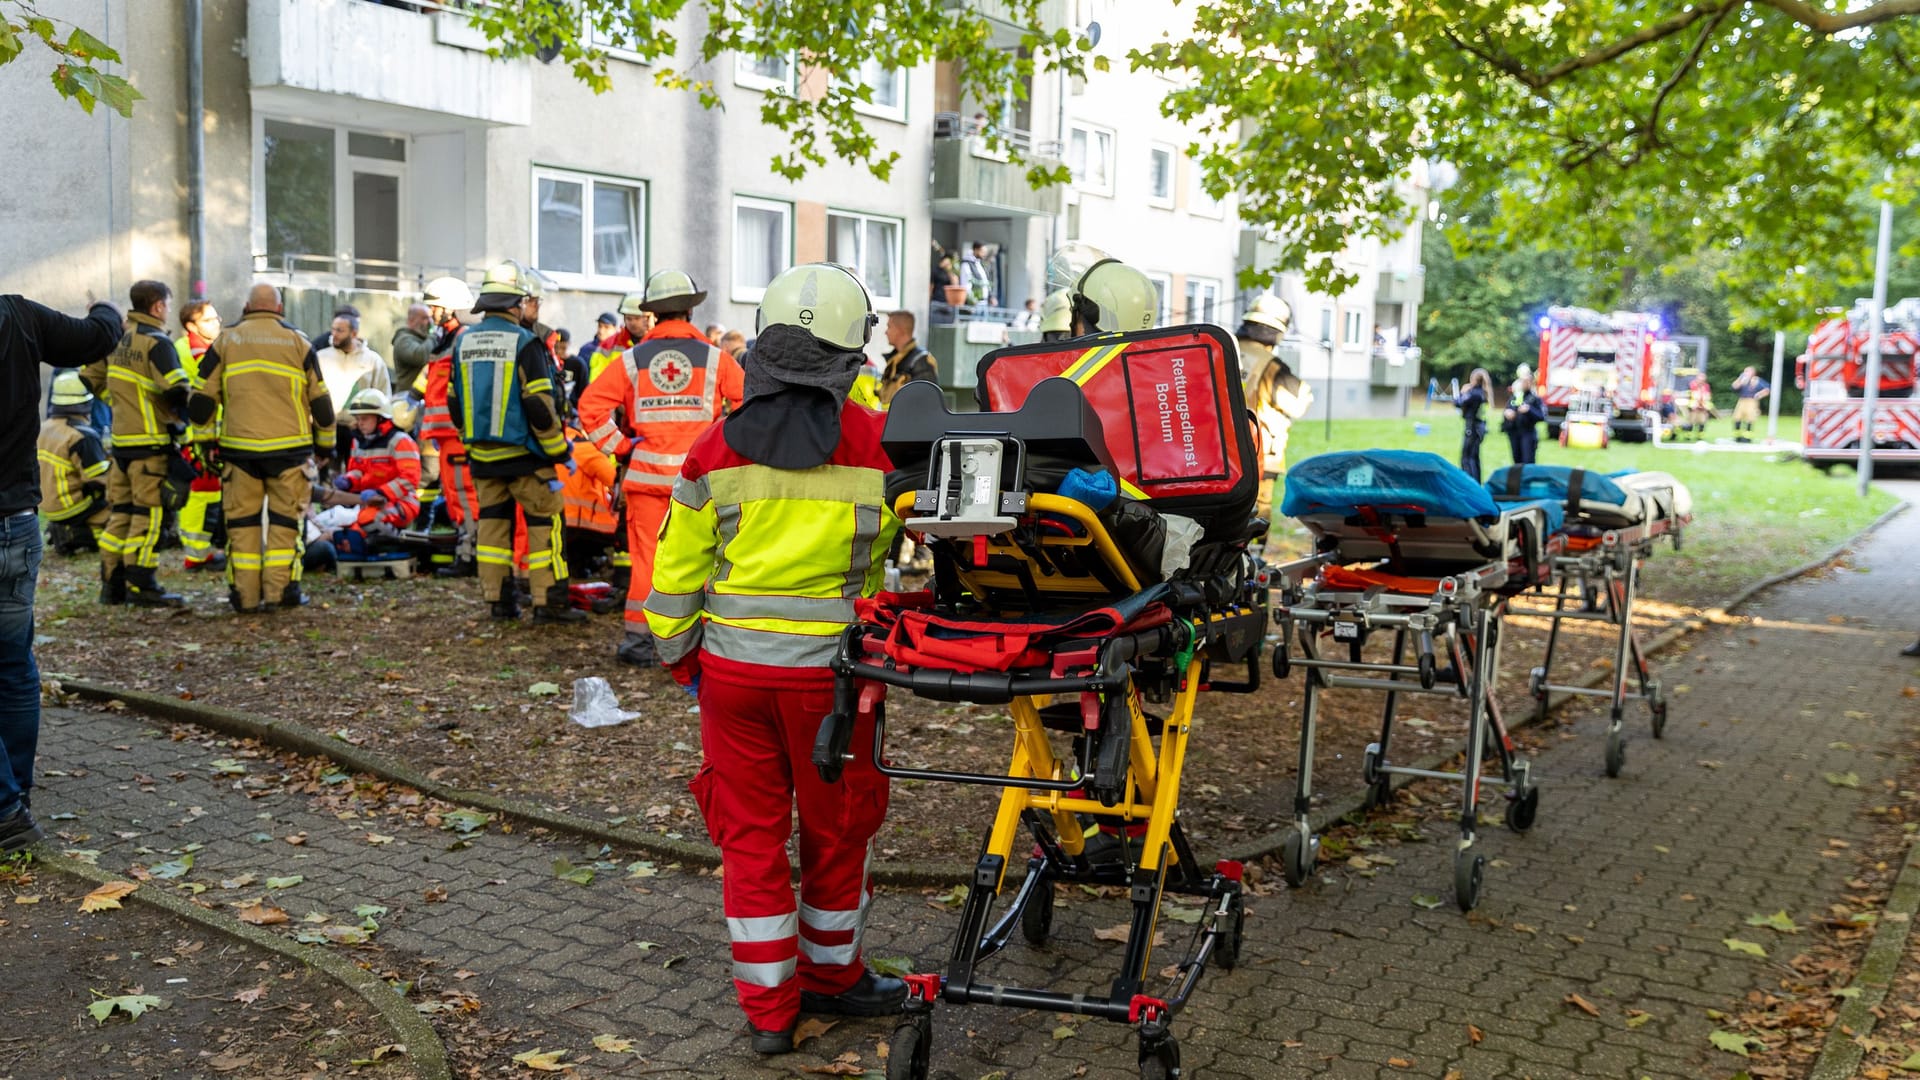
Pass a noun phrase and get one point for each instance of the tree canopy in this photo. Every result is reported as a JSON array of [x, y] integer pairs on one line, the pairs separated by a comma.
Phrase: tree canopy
[[80, 60]]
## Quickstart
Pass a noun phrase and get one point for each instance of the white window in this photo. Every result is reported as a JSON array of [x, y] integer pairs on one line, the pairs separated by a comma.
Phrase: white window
[[1163, 291], [331, 202], [871, 246], [1203, 300], [1326, 326], [762, 245], [889, 86], [776, 73], [1160, 175], [600, 39], [1203, 204], [589, 231], [1090, 158], [1351, 328]]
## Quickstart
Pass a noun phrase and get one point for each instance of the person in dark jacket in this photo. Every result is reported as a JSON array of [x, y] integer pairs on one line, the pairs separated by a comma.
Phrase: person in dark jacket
[[1470, 402], [906, 361], [1522, 419], [30, 335]]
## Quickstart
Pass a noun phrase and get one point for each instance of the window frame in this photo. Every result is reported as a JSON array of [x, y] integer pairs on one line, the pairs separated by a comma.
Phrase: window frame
[[1353, 329], [1112, 155], [1164, 202], [753, 294], [1200, 204], [590, 279], [1216, 290], [744, 76], [1163, 287], [590, 34], [896, 300]]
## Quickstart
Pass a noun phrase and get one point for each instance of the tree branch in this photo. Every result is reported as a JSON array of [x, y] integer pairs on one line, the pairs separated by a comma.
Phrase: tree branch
[[1666, 28], [1652, 137], [1829, 23]]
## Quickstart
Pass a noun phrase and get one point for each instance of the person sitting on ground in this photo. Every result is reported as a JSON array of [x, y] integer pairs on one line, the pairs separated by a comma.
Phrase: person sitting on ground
[[382, 476], [73, 469]]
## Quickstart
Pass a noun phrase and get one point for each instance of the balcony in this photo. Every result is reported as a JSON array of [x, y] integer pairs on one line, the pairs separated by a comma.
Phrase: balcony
[[348, 48], [1008, 30], [959, 345], [972, 179], [1395, 366], [1401, 286]]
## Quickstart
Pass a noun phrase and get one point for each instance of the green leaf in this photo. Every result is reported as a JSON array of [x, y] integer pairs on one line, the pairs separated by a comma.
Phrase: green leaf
[[172, 869], [1779, 921], [1638, 1019], [897, 966], [228, 767], [1064, 1032], [1426, 900], [1846, 779], [543, 689], [641, 869], [85, 45], [566, 871], [464, 821], [284, 882], [365, 911], [1912, 1063], [1747, 947], [10, 43], [1732, 1043], [134, 1005]]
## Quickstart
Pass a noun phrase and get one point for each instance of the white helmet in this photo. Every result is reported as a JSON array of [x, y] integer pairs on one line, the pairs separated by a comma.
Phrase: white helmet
[[1056, 312], [1106, 293], [633, 304], [371, 402], [671, 290], [450, 293], [1269, 311], [825, 299], [69, 390]]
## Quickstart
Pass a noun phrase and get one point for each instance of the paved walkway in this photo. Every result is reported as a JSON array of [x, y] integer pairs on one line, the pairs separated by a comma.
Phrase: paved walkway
[[1622, 894]]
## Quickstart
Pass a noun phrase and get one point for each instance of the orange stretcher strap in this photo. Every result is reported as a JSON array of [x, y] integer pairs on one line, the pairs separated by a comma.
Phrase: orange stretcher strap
[[1342, 577], [1582, 543]]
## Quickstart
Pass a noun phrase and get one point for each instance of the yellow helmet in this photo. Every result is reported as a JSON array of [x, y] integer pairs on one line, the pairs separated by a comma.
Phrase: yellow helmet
[[1106, 294], [371, 402], [825, 299], [633, 304], [1269, 311], [1056, 312], [671, 290], [504, 287], [69, 390]]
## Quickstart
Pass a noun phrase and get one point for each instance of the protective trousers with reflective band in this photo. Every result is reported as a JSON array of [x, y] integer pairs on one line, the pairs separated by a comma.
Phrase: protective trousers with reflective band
[[196, 536], [132, 536], [456, 486], [758, 741], [263, 531], [646, 511], [498, 496]]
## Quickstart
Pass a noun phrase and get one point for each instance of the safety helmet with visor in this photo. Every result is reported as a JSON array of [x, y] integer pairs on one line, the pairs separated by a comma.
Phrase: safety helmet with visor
[[1104, 294], [827, 300]]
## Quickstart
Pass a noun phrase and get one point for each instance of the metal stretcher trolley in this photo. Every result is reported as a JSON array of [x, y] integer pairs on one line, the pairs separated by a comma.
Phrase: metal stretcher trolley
[[1080, 620], [1612, 524], [1406, 543]]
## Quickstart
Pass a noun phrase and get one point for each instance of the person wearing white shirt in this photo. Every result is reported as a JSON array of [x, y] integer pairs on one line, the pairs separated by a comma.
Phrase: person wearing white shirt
[[348, 367]]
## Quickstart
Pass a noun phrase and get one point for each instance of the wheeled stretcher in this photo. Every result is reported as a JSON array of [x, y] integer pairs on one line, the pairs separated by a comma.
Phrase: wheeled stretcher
[[1612, 523], [1405, 543], [1098, 628]]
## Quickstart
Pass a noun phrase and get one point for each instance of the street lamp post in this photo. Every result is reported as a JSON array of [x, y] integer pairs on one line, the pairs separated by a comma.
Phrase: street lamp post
[[1875, 328], [1773, 399]]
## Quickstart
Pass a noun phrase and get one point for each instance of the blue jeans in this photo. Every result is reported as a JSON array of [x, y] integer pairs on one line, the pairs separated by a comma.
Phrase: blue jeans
[[20, 547]]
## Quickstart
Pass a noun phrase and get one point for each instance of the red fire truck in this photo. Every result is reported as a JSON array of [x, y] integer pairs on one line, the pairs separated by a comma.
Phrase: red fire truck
[[1833, 375], [1581, 349]]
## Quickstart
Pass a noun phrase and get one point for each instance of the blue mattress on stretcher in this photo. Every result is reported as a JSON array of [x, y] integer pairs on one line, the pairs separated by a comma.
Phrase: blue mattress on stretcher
[[1347, 482], [1553, 482]]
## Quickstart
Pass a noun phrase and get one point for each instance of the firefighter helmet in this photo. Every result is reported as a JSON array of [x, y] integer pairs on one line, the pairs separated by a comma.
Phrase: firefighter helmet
[[825, 299], [1106, 294], [503, 288], [1056, 313], [68, 389], [633, 304], [671, 290], [450, 293], [371, 402], [1271, 312]]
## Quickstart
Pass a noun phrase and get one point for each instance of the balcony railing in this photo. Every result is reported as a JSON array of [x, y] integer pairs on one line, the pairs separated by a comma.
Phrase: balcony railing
[[973, 170], [344, 272]]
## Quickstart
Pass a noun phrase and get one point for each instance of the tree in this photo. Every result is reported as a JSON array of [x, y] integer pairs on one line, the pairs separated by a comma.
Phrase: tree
[[1626, 132], [79, 71], [1482, 302]]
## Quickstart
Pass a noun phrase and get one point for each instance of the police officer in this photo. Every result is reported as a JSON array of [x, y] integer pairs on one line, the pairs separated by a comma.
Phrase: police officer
[[73, 469], [148, 389], [513, 438], [754, 634], [263, 377], [1472, 402]]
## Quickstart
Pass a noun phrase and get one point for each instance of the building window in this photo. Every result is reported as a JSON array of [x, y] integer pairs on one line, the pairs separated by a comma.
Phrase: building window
[[1163, 293], [889, 86], [589, 230], [871, 246], [299, 183], [1203, 300], [1160, 175], [762, 245], [773, 73], [1090, 158], [1203, 204], [1326, 327], [616, 44], [1351, 328]]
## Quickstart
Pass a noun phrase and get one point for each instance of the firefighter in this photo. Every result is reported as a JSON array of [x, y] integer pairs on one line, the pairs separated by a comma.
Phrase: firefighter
[[779, 523], [1103, 293], [1275, 394], [1699, 405], [1056, 316], [199, 325], [73, 469], [147, 387], [446, 297], [634, 324], [646, 411], [263, 378], [502, 398], [384, 466]]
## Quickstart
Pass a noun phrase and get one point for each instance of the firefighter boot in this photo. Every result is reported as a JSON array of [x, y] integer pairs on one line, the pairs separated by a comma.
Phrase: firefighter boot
[[144, 589], [637, 649], [459, 567], [559, 607], [292, 597], [507, 606], [113, 586]]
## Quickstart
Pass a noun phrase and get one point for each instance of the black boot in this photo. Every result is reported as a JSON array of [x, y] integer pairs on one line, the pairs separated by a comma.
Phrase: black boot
[[508, 604], [873, 995], [772, 1042], [457, 568], [292, 597], [637, 649], [113, 587], [144, 589], [1911, 650], [559, 606]]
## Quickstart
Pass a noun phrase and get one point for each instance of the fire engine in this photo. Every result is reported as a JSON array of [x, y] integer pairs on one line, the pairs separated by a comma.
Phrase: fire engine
[[1833, 375], [1587, 358]]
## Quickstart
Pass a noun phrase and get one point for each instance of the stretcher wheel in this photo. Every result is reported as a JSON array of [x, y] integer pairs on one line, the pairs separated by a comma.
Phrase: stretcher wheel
[[1521, 811], [1296, 856], [1036, 918], [1428, 671], [1370, 764], [1537, 685], [1468, 869], [1659, 719], [1162, 1062], [1282, 662], [1616, 752], [830, 746], [910, 1051], [1227, 952]]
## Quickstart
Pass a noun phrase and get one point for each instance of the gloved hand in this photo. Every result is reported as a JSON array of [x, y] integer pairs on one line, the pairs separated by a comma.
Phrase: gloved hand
[[343, 482], [554, 485], [686, 670], [372, 496]]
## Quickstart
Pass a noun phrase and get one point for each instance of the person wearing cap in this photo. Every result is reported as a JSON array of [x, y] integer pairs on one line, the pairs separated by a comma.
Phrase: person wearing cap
[[262, 378], [446, 297], [646, 411], [779, 522], [1276, 396], [502, 398], [73, 469]]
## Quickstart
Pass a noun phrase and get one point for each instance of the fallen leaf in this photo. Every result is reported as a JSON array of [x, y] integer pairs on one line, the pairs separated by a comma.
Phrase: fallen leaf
[[1426, 900], [543, 689], [1474, 1034], [543, 1060], [229, 767], [1747, 947], [172, 869], [896, 966], [847, 1064], [34, 899], [1846, 779], [1779, 921], [262, 915], [390, 1048], [465, 821], [1582, 1004], [285, 882], [1731, 1043], [1064, 1032], [249, 996], [811, 1028], [1400, 1062], [1636, 1018], [612, 1045], [435, 895], [566, 871], [376, 838], [106, 897], [134, 1005]]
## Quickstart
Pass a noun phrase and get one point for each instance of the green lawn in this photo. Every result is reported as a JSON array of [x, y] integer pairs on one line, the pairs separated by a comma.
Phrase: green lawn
[[1754, 514]]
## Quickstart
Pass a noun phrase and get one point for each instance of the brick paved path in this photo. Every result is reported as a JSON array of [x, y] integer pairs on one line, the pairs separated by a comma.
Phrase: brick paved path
[[1622, 893]]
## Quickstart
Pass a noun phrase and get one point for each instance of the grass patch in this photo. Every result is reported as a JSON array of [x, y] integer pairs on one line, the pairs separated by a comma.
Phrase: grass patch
[[1754, 514]]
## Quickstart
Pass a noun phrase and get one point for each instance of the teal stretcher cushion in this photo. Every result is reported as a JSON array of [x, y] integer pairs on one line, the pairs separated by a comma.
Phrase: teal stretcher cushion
[[1556, 511], [1551, 482], [1387, 481]]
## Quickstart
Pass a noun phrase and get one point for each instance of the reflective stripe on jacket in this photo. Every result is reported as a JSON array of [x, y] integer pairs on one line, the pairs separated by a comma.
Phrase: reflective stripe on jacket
[[266, 382], [588, 490], [760, 566], [387, 462], [134, 379], [665, 392], [488, 393], [70, 456]]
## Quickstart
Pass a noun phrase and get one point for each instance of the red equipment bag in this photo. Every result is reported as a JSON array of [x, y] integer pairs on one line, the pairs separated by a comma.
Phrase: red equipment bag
[[1172, 407]]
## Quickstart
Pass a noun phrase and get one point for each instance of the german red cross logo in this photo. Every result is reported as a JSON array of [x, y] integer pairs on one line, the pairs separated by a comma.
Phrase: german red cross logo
[[670, 371]]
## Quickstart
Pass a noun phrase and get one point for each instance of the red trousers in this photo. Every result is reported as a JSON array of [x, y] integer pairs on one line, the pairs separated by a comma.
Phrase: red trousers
[[757, 740], [456, 486], [646, 512]]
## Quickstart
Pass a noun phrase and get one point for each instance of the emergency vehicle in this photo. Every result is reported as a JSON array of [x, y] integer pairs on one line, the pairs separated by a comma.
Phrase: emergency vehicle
[[1833, 375], [1587, 358]]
